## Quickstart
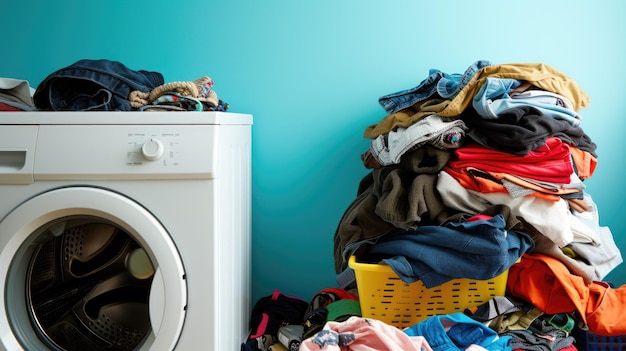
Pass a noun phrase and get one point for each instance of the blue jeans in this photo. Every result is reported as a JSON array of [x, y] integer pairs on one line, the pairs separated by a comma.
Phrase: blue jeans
[[446, 85], [481, 249], [93, 85]]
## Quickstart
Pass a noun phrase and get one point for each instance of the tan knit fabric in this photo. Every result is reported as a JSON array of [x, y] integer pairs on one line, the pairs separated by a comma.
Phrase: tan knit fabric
[[186, 88]]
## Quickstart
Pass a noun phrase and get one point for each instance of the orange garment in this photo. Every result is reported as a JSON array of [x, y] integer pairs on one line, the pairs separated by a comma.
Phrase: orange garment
[[584, 162], [532, 186], [486, 185], [546, 282], [472, 182]]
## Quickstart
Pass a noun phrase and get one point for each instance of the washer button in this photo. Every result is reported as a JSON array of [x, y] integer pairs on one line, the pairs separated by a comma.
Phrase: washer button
[[152, 149]]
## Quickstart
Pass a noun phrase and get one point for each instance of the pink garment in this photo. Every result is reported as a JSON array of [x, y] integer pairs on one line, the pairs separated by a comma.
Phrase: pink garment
[[363, 334], [549, 163]]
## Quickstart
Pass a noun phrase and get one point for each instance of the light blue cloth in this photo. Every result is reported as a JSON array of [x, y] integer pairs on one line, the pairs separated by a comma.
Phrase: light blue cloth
[[493, 98], [457, 331]]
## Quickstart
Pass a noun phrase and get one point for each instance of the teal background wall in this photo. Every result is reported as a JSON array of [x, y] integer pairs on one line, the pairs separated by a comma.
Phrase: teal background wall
[[311, 73]]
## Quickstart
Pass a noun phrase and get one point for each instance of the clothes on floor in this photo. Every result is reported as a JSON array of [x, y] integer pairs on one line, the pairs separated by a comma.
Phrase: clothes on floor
[[363, 334], [457, 331], [547, 283]]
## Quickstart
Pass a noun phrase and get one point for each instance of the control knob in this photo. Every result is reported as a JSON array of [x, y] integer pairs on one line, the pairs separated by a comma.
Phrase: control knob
[[152, 149]]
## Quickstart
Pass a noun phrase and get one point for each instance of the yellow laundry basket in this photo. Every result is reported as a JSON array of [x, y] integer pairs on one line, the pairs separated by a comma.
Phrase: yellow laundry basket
[[384, 296]]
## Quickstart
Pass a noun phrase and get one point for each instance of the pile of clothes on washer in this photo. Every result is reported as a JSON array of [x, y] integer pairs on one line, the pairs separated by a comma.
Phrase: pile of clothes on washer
[[480, 172], [105, 85]]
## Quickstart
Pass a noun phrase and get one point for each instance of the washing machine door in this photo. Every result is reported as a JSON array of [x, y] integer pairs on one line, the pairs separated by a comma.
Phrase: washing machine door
[[86, 268]]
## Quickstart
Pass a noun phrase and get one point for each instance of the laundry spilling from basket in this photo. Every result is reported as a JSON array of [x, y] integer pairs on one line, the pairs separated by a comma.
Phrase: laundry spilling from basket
[[475, 215]]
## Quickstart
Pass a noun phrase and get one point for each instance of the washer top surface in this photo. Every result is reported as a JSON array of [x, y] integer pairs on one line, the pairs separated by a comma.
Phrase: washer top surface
[[122, 117]]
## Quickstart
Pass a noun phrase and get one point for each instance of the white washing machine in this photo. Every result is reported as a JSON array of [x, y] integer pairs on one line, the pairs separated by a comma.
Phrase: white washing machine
[[124, 230]]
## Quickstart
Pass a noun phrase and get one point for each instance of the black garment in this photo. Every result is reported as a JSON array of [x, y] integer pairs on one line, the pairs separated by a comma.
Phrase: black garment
[[522, 129], [391, 197]]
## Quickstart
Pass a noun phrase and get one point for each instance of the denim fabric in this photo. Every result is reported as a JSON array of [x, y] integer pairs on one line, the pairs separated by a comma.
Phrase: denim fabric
[[456, 331], [493, 98], [446, 85], [480, 249], [90, 85], [492, 89]]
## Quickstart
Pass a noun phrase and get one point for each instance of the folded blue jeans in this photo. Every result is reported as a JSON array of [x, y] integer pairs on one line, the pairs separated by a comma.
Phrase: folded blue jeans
[[93, 85]]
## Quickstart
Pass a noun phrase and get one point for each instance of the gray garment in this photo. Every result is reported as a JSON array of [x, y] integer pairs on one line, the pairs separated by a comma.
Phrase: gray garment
[[534, 338], [552, 219], [17, 93], [603, 255], [602, 258], [389, 148]]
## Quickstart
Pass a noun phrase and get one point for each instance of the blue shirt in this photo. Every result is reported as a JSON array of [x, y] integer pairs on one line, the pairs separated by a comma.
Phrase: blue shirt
[[457, 331]]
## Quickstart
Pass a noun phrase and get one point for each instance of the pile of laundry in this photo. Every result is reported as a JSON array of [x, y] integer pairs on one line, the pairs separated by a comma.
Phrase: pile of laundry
[[476, 173], [472, 175], [332, 320], [105, 85]]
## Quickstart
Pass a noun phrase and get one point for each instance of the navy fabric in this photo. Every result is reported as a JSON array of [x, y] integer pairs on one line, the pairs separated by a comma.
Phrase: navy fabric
[[93, 85], [481, 249]]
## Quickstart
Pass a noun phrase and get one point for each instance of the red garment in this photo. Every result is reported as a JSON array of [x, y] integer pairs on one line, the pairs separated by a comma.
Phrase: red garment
[[7, 107], [548, 284], [550, 163]]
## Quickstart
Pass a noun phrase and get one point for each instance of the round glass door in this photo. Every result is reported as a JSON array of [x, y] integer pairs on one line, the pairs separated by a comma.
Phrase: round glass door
[[89, 269], [88, 288]]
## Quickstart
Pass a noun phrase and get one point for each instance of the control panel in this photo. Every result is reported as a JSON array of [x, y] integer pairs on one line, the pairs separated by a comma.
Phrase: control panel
[[125, 152], [144, 147]]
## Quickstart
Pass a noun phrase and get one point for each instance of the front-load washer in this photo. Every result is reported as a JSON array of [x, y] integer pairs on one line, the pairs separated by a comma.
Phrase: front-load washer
[[124, 230]]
